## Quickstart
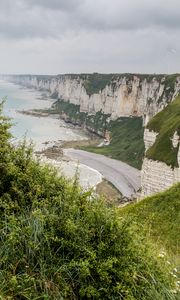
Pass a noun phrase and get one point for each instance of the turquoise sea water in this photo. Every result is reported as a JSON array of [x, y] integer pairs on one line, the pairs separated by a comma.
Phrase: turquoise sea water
[[40, 130]]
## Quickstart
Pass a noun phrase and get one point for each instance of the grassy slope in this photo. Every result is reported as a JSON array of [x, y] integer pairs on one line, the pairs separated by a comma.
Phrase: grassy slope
[[159, 215], [126, 141], [166, 123]]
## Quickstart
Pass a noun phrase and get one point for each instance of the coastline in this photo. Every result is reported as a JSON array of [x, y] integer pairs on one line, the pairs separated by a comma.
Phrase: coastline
[[52, 152], [27, 109], [88, 177]]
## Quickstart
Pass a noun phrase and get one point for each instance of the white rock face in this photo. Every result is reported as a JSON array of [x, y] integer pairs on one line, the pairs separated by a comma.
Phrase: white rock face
[[123, 97], [149, 138], [157, 176], [175, 139]]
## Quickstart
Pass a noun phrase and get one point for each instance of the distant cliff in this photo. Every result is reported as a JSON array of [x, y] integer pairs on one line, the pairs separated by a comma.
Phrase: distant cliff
[[119, 95]]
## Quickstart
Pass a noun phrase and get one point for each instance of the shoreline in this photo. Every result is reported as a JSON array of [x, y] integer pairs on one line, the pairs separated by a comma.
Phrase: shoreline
[[55, 151], [104, 188]]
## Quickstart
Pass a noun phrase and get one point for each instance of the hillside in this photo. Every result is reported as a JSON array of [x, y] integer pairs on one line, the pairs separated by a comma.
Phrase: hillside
[[59, 242], [159, 216], [126, 141], [165, 123]]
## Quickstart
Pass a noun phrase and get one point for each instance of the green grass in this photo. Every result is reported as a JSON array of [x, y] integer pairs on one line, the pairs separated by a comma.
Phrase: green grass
[[159, 216], [126, 141], [165, 123]]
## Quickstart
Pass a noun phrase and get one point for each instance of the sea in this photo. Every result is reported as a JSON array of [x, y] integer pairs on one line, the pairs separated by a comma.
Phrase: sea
[[39, 130]]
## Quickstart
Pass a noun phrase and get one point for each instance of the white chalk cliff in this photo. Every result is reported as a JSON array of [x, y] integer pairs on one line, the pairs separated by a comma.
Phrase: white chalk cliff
[[157, 176], [124, 95]]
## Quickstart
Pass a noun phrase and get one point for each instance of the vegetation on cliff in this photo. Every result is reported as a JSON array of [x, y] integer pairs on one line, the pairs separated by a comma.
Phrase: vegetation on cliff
[[71, 112], [126, 141], [58, 242], [166, 123], [96, 82], [126, 133]]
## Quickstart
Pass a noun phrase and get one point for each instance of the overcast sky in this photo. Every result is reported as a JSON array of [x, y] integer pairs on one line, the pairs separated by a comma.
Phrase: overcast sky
[[76, 36]]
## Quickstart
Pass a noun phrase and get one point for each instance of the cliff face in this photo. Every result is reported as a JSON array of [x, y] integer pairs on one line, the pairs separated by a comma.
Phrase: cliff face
[[157, 176], [117, 95]]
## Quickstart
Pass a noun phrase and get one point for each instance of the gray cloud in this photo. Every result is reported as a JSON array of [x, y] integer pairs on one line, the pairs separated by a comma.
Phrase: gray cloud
[[40, 18], [64, 5], [57, 36], [131, 14]]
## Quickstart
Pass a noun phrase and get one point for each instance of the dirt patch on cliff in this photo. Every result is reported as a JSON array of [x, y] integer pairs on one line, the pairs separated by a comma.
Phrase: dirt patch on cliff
[[109, 192], [92, 141], [56, 151]]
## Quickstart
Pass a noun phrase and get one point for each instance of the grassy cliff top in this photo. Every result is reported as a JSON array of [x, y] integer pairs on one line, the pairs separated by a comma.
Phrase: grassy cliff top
[[166, 123], [159, 215], [95, 82]]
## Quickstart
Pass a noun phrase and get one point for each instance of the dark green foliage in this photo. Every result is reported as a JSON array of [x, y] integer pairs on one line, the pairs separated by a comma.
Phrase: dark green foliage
[[170, 81], [4, 134], [71, 110], [59, 242], [166, 123], [96, 82], [96, 123], [159, 215], [126, 141]]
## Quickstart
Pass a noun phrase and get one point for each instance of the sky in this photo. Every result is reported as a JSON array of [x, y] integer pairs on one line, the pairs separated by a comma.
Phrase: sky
[[85, 36]]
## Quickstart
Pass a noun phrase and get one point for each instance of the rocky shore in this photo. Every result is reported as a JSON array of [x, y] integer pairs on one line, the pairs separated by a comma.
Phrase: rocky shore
[[53, 153], [35, 113]]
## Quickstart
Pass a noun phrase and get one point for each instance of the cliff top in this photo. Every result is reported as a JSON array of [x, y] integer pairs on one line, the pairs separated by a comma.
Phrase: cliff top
[[95, 82], [155, 215]]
